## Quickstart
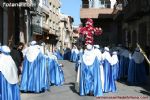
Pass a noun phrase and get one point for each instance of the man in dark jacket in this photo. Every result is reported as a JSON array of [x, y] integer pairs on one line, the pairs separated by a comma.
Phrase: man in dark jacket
[[17, 56]]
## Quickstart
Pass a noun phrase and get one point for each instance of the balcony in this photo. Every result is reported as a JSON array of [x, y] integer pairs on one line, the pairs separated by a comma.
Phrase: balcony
[[85, 5], [94, 13], [45, 27], [36, 25]]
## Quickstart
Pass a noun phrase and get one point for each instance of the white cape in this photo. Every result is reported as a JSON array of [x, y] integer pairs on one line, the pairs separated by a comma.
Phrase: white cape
[[98, 53], [138, 57], [8, 69], [106, 55], [89, 57], [114, 60], [126, 54], [32, 53]]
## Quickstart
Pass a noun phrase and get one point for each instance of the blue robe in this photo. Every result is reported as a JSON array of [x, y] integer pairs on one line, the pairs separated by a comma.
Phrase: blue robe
[[115, 70], [78, 61], [123, 68], [67, 54], [58, 55], [109, 81], [56, 75], [74, 57], [34, 76], [8, 91], [90, 80], [136, 73]]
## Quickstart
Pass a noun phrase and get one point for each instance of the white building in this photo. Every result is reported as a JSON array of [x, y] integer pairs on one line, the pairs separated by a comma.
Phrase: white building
[[66, 30], [46, 22]]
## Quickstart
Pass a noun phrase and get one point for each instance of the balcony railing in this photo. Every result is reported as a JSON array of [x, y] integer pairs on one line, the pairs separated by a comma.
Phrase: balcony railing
[[85, 5], [100, 6]]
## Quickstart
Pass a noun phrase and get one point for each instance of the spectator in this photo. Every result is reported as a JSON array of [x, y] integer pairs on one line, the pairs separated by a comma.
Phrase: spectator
[[17, 56]]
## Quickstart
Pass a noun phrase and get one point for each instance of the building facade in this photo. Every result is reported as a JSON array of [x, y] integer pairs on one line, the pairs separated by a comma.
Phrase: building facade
[[66, 30], [75, 34], [39, 22], [101, 11], [12, 22], [46, 22], [134, 19], [16, 21]]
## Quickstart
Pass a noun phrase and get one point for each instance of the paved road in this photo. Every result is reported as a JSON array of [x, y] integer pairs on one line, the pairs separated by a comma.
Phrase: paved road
[[67, 91]]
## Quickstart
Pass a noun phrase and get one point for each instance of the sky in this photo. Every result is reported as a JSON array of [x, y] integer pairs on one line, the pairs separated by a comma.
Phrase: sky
[[71, 8]]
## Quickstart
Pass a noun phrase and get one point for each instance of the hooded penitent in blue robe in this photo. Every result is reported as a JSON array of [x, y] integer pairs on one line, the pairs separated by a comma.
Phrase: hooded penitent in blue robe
[[124, 64], [67, 54], [115, 65], [136, 72], [90, 80], [58, 55], [9, 88], [74, 56], [109, 82], [35, 75], [56, 75], [98, 54]]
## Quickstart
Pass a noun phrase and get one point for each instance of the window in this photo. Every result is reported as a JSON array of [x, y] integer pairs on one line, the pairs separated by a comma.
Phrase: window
[[142, 34], [50, 6], [102, 2], [44, 18], [105, 3], [46, 3]]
